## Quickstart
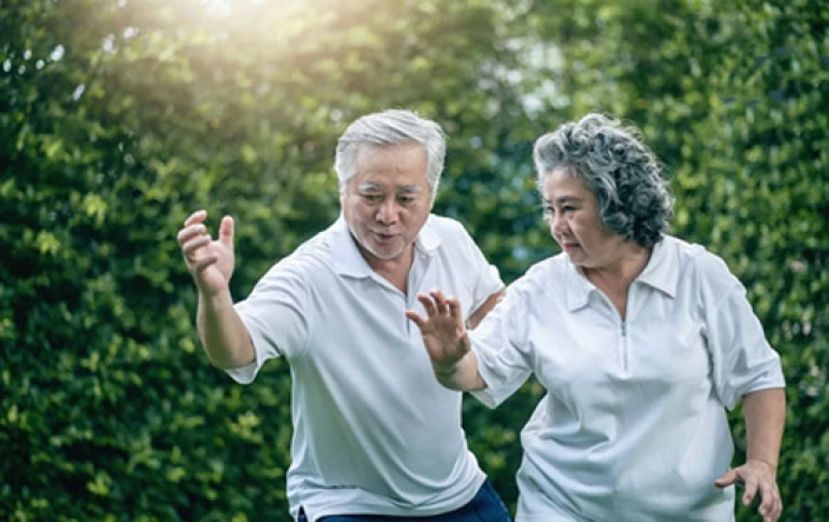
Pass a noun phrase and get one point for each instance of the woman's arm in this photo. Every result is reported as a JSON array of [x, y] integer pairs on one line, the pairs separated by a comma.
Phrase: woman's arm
[[765, 414]]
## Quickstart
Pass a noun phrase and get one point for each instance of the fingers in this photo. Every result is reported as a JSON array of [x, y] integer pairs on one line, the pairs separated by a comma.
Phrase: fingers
[[189, 232], [193, 228], [428, 304], [440, 301], [194, 236], [201, 264], [416, 319], [436, 304], [446, 305], [750, 491], [455, 309], [190, 247], [196, 217], [194, 224], [770, 506], [729, 478], [226, 231]]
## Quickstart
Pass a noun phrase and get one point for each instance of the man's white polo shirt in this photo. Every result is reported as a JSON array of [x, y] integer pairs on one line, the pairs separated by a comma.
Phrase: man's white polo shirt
[[633, 426], [374, 432]]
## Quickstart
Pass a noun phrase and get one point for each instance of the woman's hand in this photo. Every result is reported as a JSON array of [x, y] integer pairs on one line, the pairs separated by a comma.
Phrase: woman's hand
[[757, 477]]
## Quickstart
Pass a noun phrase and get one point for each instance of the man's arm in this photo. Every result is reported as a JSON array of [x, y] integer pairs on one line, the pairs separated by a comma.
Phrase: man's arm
[[222, 332]]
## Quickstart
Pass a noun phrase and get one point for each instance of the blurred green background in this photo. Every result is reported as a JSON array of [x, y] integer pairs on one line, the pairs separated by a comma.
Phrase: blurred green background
[[120, 117]]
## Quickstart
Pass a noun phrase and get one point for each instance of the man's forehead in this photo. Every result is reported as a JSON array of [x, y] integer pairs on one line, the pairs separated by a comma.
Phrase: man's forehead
[[380, 156], [394, 148]]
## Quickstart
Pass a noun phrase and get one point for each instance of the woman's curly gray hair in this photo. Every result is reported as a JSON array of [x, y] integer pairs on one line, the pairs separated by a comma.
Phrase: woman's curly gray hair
[[634, 200]]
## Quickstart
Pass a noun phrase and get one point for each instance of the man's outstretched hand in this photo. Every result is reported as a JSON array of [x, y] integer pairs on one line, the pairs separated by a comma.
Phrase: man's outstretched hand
[[442, 330], [209, 261]]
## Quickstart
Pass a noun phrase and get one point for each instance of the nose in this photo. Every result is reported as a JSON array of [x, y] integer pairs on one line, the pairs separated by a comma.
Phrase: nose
[[388, 213], [557, 225]]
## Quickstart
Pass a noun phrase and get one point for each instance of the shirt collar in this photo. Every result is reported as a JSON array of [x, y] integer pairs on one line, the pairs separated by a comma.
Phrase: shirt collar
[[578, 287], [347, 259], [661, 273]]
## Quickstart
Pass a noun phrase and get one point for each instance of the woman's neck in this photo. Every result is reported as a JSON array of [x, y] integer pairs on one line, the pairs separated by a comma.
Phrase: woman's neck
[[614, 278]]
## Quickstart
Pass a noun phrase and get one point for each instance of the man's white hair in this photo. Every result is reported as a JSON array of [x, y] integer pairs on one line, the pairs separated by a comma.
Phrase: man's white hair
[[386, 128]]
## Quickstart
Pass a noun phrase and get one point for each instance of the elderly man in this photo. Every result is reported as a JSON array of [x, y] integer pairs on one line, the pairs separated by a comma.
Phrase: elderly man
[[375, 436]]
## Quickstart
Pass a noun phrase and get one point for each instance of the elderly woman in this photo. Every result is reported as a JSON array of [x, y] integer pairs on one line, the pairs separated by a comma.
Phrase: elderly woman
[[641, 340]]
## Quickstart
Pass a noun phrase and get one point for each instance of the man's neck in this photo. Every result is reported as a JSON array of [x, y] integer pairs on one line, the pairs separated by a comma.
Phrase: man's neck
[[395, 271]]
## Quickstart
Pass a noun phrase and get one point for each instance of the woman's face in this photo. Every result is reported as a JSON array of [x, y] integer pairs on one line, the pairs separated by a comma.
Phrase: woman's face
[[573, 212]]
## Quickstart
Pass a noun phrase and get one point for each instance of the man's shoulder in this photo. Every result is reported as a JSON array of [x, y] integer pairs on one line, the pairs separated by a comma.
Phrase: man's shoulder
[[445, 225], [449, 236], [449, 233], [308, 260]]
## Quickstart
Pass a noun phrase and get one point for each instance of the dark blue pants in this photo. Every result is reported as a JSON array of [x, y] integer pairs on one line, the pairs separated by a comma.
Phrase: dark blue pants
[[487, 506]]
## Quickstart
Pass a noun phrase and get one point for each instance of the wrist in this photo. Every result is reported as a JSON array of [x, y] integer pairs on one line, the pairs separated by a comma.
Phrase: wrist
[[443, 371], [212, 294], [448, 370], [765, 463], [213, 302]]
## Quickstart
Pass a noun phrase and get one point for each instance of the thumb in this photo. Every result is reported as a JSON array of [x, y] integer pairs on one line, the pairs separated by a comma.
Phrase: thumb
[[729, 478], [226, 231]]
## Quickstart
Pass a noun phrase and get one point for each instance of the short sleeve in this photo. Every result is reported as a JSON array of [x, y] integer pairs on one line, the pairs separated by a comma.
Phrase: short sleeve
[[501, 346], [487, 277], [274, 315], [742, 359]]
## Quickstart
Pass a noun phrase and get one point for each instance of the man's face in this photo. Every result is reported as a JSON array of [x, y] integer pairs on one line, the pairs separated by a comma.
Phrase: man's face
[[387, 200]]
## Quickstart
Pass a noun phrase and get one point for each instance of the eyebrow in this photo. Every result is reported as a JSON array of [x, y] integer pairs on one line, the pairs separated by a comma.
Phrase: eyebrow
[[563, 199], [370, 186], [567, 199]]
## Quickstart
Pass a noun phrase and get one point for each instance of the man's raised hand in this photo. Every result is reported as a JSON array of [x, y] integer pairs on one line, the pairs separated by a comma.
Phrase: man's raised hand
[[442, 329], [209, 261]]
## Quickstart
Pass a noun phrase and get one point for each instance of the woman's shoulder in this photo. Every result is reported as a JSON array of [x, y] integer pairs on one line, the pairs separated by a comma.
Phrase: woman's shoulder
[[543, 273], [694, 254], [695, 259]]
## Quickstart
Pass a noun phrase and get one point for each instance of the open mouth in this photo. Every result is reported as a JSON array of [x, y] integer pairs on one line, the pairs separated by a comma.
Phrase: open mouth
[[383, 238]]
